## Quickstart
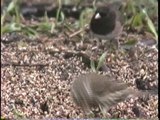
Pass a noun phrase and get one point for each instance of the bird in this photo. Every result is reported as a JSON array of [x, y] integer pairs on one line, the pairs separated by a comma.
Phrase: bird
[[106, 22], [92, 90]]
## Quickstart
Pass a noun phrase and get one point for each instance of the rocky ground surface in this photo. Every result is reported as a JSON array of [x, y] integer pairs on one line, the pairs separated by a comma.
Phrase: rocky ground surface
[[36, 75]]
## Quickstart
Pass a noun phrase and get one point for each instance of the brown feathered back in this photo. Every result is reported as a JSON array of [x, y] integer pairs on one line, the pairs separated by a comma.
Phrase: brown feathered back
[[94, 90]]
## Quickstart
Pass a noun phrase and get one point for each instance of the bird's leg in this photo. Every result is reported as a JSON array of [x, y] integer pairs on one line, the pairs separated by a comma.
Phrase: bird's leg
[[88, 114], [99, 43], [114, 46], [96, 45], [115, 43], [107, 45], [103, 111], [91, 114]]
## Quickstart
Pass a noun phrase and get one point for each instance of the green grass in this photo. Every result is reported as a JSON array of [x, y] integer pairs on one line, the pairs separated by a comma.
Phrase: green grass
[[142, 17], [101, 62]]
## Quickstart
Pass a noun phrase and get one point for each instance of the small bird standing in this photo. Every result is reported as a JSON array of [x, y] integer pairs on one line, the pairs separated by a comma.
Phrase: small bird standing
[[106, 23], [97, 91]]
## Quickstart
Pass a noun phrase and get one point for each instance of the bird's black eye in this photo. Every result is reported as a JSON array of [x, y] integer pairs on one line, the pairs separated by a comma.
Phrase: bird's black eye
[[102, 14]]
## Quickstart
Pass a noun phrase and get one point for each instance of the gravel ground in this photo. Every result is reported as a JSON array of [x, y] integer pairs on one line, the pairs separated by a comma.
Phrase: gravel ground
[[36, 80], [36, 75]]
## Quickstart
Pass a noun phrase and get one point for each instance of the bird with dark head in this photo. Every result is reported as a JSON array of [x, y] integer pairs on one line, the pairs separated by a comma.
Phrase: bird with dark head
[[106, 23], [98, 91]]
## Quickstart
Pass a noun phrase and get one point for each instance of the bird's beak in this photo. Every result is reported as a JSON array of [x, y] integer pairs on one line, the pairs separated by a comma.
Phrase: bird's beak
[[97, 16]]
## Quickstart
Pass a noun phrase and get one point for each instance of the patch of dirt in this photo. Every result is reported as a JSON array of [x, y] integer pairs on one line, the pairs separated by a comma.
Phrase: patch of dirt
[[36, 74], [36, 77]]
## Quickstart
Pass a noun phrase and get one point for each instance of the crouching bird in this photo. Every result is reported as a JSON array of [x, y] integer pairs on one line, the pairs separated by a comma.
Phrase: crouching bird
[[99, 91]]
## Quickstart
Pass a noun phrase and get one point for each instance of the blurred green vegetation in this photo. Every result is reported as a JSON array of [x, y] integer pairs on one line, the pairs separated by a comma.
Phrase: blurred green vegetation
[[139, 15], [142, 15], [100, 63]]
